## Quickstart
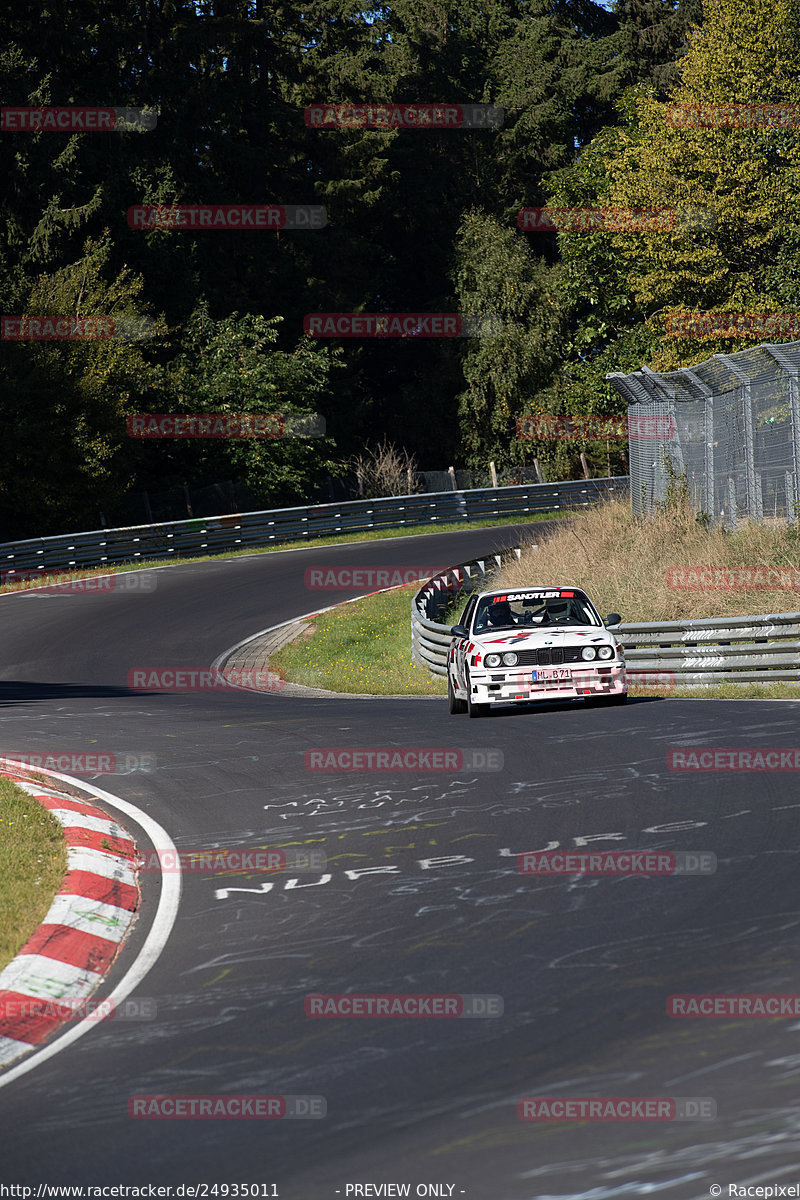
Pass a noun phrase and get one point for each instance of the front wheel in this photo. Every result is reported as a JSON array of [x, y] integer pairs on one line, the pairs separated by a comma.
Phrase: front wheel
[[454, 705], [475, 710]]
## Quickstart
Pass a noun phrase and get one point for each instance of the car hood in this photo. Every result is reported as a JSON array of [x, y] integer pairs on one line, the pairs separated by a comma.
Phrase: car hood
[[549, 636]]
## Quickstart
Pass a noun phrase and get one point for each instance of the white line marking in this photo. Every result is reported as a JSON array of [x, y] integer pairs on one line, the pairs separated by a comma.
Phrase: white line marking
[[157, 936]]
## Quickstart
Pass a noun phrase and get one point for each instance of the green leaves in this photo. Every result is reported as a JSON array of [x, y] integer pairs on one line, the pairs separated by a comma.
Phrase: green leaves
[[233, 366], [497, 276]]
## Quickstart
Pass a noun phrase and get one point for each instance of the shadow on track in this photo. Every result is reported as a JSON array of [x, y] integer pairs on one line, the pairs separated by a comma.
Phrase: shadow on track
[[14, 691]]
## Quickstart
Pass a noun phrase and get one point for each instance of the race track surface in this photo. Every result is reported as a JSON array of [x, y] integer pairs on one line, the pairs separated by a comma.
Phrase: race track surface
[[584, 966]]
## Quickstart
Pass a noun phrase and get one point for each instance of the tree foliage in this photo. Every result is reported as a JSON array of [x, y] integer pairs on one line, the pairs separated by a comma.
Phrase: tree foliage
[[417, 222]]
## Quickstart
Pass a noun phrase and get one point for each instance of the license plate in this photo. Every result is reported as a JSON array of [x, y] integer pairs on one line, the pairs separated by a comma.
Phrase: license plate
[[554, 673]]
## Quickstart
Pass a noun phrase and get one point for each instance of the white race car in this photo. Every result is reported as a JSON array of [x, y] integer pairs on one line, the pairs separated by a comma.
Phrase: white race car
[[538, 643]]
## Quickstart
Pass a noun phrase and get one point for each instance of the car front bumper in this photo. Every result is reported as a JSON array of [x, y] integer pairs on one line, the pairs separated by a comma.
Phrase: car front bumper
[[517, 684]]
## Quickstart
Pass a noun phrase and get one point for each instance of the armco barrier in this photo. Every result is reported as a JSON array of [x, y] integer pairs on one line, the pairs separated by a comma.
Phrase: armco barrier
[[748, 649], [242, 531]]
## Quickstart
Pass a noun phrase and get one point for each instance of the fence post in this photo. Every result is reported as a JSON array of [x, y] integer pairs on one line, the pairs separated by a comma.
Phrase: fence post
[[794, 417], [754, 498], [708, 457], [732, 518]]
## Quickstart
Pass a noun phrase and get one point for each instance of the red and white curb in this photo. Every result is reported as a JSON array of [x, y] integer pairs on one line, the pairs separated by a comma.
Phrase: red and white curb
[[65, 960]]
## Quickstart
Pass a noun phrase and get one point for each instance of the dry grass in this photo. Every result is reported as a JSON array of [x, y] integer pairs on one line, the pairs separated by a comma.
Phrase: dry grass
[[623, 563]]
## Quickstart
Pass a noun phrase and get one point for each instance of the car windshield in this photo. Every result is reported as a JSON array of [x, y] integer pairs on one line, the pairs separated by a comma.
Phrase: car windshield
[[531, 610]]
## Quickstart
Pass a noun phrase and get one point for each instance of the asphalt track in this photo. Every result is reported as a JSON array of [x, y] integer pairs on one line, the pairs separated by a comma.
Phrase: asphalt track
[[584, 966]]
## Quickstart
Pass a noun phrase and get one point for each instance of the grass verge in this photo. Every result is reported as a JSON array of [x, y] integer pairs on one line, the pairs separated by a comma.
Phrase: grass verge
[[361, 647], [724, 691], [300, 543], [33, 860]]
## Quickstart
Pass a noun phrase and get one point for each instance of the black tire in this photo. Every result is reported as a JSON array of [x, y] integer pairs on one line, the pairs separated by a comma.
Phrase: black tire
[[455, 706], [475, 710]]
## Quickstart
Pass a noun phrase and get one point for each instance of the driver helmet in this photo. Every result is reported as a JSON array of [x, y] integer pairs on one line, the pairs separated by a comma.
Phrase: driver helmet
[[500, 613], [558, 608]]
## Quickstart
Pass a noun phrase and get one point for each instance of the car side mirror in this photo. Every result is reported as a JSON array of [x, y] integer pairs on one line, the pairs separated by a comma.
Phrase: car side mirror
[[612, 619], [459, 631]]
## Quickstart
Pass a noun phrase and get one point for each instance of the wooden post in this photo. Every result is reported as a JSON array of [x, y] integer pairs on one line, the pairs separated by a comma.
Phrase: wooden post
[[585, 466], [538, 470], [408, 481], [494, 474], [452, 474], [188, 501]]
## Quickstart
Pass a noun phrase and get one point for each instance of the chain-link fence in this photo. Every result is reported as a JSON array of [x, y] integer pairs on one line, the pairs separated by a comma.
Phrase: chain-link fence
[[731, 425]]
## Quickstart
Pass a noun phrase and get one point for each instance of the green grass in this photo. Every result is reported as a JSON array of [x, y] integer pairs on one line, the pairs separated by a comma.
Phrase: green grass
[[725, 691], [370, 535], [33, 860], [361, 647]]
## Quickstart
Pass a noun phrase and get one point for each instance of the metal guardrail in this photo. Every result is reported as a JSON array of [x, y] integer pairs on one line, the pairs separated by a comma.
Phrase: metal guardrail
[[240, 531], [747, 649], [430, 640]]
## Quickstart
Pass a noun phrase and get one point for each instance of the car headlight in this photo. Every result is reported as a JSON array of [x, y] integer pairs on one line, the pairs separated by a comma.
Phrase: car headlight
[[492, 660], [510, 659], [606, 652], [588, 653]]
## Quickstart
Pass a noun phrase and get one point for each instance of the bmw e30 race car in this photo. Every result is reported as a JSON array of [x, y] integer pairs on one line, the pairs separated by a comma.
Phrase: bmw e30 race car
[[538, 643]]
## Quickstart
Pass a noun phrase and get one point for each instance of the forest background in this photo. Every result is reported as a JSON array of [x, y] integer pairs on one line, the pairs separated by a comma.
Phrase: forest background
[[417, 221]]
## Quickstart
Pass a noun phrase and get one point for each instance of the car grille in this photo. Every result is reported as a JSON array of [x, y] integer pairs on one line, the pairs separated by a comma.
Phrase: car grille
[[549, 656]]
